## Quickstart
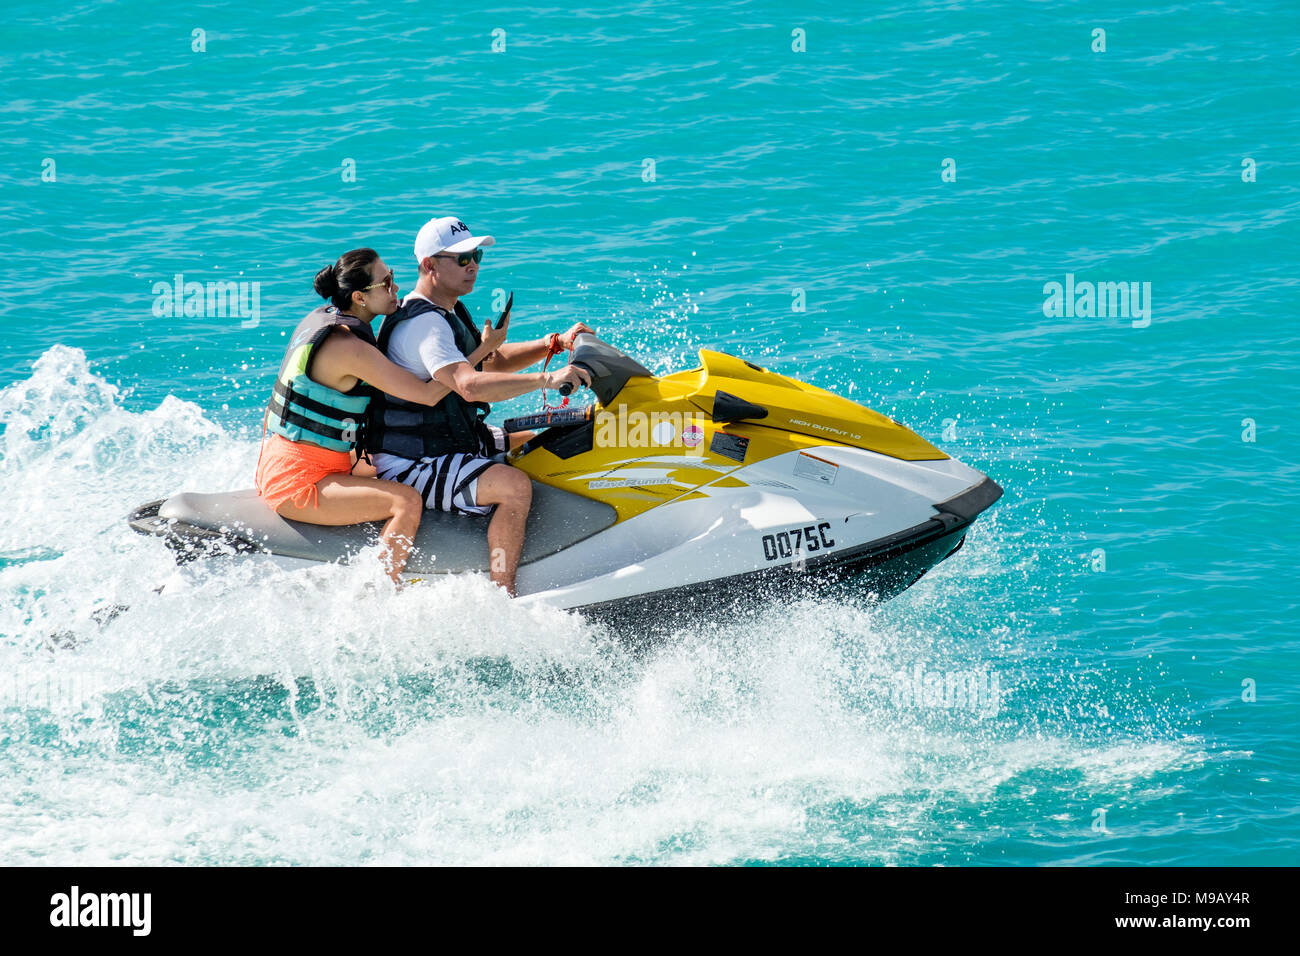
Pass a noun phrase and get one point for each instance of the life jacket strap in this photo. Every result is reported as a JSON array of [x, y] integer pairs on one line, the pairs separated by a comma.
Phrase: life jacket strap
[[290, 417], [288, 395]]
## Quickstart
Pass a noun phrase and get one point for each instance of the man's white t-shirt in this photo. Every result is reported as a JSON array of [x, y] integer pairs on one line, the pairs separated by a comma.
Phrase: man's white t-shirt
[[424, 344], [421, 345]]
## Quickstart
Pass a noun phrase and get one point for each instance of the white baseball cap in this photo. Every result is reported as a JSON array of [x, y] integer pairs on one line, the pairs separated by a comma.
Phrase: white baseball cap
[[447, 234]]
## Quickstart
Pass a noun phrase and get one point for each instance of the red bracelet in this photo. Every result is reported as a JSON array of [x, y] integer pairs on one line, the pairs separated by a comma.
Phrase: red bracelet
[[553, 344]]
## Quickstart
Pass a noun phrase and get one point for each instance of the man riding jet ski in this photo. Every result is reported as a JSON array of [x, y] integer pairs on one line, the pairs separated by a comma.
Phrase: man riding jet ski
[[447, 451], [723, 482]]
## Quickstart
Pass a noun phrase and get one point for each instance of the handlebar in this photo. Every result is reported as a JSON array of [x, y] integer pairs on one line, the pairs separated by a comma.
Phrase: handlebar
[[608, 368], [566, 389]]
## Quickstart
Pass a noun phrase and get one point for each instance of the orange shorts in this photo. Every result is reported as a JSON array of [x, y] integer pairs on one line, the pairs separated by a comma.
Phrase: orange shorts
[[288, 471]]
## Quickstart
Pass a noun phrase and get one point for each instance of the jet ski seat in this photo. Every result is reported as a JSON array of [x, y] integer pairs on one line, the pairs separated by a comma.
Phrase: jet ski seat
[[445, 542]]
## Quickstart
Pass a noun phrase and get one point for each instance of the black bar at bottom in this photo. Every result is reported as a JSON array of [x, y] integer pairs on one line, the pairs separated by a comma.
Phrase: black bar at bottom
[[984, 906]]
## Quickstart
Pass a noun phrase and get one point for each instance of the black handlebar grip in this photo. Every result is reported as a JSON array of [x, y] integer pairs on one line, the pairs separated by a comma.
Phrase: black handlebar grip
[[566, 389]]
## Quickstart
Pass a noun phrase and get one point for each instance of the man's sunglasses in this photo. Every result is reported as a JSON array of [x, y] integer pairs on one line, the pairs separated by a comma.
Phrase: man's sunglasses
[[465, 258], [386, 281]]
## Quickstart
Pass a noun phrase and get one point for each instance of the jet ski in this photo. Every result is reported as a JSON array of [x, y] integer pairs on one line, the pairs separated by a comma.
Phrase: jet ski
[[691, 492]]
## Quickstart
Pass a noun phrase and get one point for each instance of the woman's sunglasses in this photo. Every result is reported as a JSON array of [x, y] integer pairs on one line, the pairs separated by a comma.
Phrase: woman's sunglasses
[[465, 258], [386, 281]]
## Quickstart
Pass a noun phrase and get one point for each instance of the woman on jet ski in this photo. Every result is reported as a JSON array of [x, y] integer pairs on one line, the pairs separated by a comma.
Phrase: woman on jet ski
[[315, 420]]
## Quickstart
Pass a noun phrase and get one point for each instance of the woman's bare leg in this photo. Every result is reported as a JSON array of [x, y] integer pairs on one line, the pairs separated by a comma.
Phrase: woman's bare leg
[[347, 499]]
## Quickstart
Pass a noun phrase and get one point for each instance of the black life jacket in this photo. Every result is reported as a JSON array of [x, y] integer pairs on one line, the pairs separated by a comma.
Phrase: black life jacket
[[414, 431], [302, 409]]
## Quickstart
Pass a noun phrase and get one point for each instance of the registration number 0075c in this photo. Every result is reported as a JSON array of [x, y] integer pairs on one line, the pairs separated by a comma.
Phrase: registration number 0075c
[[786, 544]]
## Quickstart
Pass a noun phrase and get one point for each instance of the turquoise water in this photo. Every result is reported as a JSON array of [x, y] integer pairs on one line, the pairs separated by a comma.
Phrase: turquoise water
[[1136, 582]]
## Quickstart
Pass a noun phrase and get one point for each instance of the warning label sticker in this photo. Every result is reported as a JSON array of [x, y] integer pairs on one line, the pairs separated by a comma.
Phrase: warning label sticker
[[729, 446], [815, 469]]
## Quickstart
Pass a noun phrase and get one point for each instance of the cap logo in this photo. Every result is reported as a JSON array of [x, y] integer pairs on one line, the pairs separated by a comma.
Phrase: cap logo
[[459, 227]]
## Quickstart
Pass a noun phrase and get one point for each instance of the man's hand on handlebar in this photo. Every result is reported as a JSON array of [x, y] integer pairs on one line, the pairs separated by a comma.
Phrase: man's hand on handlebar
[[571, 376], [566, 338]]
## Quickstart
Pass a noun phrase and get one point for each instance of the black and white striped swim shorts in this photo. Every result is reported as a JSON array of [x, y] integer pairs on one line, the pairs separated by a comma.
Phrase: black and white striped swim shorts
[[447, 482]]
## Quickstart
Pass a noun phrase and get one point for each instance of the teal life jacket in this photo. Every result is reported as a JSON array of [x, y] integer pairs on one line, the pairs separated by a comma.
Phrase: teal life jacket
[[301, 409], [413, 431]]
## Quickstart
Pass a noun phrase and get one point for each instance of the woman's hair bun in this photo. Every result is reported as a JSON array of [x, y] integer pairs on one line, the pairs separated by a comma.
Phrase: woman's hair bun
[[326, 285]]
